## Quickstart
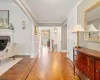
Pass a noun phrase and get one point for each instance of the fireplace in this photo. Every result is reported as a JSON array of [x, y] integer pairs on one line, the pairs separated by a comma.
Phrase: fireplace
[[3, 42], [6, 35]]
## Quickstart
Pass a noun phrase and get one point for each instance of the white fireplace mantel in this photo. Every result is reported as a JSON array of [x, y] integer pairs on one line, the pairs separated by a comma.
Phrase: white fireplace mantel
[[7, 32]]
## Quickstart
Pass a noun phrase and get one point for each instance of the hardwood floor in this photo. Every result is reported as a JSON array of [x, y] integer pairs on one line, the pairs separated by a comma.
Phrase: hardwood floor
[[20, 71], [49, 66]]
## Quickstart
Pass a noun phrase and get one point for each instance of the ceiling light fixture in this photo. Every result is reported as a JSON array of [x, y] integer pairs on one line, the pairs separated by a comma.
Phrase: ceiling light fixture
[[55, 30]]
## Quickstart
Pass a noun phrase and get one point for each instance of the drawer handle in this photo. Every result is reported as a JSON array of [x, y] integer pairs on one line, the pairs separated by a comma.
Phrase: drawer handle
[[97, 71]]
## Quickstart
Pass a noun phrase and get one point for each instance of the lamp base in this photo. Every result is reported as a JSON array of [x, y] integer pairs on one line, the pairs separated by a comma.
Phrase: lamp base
[[77, 47]]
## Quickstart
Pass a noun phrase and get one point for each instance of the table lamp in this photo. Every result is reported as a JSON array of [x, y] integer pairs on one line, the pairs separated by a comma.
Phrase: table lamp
[[91, 29], [77, 29]]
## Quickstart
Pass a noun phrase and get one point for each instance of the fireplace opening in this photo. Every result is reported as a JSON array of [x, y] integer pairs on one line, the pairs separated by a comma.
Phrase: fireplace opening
[[3, 42]]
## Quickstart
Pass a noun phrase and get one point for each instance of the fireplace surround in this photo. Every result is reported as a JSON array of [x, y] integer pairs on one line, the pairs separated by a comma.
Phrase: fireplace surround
[[6, 36], [3, 42]]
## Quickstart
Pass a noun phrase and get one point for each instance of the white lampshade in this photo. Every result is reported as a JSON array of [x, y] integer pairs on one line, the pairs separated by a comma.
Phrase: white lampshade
[[78, 28], [91, 28]]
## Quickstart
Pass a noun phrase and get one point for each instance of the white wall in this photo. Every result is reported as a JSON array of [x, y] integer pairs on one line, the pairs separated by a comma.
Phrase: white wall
[[21, 37], [81, 8], [71, 37], [55, 37]]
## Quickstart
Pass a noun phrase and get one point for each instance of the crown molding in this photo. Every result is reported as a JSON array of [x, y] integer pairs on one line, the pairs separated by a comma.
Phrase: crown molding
[[50, 24], [64, 22], [30, 14], [26, 10]]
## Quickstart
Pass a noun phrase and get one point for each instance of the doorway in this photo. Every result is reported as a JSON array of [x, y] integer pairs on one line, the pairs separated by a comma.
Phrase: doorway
[[64, 38], [45, 38]]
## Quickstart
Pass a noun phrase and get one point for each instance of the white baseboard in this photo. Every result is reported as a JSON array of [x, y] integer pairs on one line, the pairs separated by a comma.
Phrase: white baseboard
[[64, 51], [33, 56], [23, 54]]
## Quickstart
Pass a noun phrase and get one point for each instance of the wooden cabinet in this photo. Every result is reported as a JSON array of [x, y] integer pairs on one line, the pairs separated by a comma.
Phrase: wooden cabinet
[[97, 71], [88, 62]]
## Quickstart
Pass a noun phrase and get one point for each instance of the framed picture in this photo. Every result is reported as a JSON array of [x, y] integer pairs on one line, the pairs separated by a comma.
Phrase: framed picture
[[36, 30], [4, 19]]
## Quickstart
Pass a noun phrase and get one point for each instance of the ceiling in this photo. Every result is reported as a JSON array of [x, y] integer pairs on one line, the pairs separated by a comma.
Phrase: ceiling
[[51, 11], [6, 1]]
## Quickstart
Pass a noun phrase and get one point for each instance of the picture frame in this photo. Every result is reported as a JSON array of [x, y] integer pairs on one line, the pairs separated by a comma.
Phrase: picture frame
[[4, 19], [36, 30]]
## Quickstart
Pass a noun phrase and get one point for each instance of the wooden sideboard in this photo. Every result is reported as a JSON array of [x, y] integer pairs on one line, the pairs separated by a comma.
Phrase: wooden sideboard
[[87, 62]]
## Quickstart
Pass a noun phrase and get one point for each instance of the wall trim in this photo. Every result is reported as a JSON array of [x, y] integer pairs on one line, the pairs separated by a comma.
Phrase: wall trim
[[63, 50], [30, 14], [44, 23], [22, 55], [34, 56], [26, 10], [29, 11], [64, 23], [49, 24]]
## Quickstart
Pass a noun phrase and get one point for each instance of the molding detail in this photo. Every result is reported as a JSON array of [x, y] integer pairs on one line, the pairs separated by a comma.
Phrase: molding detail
[[64, 51], [50, 24], [30, 12], [26, 10]]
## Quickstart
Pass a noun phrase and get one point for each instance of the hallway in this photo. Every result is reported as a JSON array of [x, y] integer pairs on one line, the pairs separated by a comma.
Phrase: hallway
[[51, 66], [46, 66]]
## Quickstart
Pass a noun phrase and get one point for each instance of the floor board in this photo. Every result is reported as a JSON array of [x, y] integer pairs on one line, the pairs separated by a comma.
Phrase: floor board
[[47, 66], [51, 66], [20, 70]]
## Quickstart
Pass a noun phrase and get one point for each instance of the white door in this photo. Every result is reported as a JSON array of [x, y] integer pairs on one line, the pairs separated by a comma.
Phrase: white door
[[71, 40], [59, 40], [64, 38]]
